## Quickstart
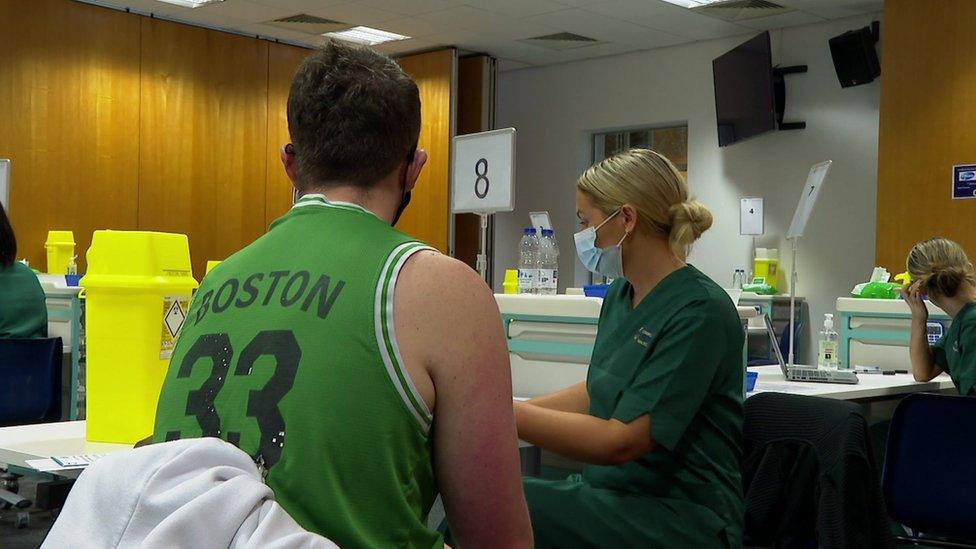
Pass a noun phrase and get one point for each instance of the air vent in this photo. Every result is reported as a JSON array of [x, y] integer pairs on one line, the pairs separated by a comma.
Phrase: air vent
[[562, 41], [742, 10], [309, 24]]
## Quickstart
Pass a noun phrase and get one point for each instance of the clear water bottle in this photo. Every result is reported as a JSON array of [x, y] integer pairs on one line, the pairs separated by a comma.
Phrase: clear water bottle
[[548, 264], [738, 278], [528, 265]]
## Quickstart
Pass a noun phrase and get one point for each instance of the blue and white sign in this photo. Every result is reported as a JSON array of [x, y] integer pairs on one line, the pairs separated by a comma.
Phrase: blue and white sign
[[964, 181]]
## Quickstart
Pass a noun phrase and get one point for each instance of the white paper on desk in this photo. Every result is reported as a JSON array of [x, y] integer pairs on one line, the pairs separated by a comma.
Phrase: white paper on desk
[[48, 465], [765, 387]]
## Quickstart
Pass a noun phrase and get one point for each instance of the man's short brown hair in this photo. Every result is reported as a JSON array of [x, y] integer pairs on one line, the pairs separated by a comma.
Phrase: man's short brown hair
[[353, 116]]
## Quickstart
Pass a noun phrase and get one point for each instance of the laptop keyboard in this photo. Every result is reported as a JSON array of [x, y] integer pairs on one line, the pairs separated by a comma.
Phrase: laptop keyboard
[[810, 374]]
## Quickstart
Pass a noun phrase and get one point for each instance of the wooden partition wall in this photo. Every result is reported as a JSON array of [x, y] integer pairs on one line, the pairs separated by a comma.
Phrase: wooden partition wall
[[428, 217], [928, 112], [118, 121]]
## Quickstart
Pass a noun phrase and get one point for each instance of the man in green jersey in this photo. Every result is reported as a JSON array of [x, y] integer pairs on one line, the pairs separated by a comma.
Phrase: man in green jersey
[[364, 371]]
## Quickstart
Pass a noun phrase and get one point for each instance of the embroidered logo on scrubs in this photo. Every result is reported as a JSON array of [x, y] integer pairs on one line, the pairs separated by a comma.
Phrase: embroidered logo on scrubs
[[643, 337]]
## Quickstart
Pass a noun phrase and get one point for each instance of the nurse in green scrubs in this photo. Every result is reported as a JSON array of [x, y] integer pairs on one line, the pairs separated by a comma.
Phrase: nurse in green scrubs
[[658, 421], [941, 271], [23, 313]]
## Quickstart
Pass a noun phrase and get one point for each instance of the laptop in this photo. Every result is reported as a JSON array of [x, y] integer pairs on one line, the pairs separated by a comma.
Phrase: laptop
[[808, 373]]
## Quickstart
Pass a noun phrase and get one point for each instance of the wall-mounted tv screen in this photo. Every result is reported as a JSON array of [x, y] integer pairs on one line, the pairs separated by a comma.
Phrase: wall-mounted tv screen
[[744, 101]]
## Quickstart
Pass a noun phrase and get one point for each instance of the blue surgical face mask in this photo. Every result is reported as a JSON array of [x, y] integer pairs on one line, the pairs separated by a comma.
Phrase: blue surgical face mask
[[607, 262]]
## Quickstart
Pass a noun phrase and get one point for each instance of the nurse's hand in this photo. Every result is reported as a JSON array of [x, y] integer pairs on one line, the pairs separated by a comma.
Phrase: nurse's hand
[[913, 297]]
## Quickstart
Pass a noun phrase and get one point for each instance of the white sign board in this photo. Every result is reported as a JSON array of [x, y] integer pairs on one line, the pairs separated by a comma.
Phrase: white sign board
[[540, 220], [483, 172], [751, 216], [808, 198], [5, 183]]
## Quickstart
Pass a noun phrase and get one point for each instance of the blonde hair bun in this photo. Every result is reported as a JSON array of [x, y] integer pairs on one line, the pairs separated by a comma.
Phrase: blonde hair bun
[[940, 265], [693, 213], [689, 219]]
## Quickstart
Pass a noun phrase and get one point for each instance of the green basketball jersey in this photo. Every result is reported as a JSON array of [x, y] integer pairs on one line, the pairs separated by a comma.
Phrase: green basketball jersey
[[288, 351]]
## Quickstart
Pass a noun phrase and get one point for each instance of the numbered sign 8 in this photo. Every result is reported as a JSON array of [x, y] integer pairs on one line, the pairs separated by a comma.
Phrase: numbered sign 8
[[483, 172]]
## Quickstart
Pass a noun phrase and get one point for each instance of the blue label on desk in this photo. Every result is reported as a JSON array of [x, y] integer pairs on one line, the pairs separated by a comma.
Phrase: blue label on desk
[[964, 181]]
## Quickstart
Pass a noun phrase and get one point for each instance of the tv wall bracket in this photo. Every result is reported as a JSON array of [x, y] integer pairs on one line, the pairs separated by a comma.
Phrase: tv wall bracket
[[779, 94]]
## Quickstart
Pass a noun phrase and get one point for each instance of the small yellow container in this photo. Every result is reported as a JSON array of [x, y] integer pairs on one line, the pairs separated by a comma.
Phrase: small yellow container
[[138, 288], [510, 285], [60, 248]]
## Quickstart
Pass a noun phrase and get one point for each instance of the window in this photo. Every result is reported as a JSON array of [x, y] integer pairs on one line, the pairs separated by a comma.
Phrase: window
[[671, 141]]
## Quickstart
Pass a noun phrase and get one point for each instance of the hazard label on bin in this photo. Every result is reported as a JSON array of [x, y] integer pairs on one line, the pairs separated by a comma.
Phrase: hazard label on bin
[[174, 313]]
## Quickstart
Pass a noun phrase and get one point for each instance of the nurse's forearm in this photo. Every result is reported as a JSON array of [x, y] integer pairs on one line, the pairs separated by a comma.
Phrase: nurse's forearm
[[583, 437], [571, 399], [923, 365]]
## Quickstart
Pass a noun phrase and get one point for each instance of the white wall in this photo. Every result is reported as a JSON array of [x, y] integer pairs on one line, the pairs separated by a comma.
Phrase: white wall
[[556, 108]]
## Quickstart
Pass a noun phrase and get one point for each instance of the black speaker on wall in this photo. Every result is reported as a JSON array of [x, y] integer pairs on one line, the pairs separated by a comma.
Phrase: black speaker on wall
[[855, 58]]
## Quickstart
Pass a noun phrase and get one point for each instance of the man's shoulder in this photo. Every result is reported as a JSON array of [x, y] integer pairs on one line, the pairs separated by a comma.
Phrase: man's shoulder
[[435, 282]]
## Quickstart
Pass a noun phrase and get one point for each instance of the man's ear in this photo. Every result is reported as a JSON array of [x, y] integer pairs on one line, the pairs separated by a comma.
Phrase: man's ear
[[414, 168], [290, 162]]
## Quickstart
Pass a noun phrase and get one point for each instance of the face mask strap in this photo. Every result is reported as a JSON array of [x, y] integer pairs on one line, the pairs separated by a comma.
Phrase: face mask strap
[[597, 228]]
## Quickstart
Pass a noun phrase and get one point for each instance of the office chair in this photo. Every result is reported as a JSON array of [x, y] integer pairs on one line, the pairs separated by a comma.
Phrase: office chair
[[809, 476], [784, 346], [928, 479], [30, 392]]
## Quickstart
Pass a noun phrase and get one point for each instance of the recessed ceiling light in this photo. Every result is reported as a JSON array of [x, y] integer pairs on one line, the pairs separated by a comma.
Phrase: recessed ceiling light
[[366, 36], [191, 3], [693, 3]]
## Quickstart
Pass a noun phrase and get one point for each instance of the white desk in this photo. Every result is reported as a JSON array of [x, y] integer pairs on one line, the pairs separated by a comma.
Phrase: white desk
[[67, 438], [870, 387], [18, 444]]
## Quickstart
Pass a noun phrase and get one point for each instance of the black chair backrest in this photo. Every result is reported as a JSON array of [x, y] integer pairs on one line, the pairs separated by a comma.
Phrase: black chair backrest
[[30, 381], [809, 474], [929, 479]]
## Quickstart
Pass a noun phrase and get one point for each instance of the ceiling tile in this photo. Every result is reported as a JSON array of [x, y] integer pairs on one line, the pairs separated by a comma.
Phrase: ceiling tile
[[408, 7], [835, 9], [241, 10], [354, 14], [466, 17], [208, 19], [791, 19], [606, 28], [515, 30], [405, 46], [411, 26], [299, 6], [511, 65], [517, 9], [577, 3], [667, 17]]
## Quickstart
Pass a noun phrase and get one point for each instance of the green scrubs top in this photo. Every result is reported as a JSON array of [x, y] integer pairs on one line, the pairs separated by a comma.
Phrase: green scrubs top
[[678, 358], [955, 352], [23, 313]]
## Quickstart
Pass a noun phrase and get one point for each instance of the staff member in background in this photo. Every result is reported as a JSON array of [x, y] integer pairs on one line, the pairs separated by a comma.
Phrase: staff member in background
[[659, 419], [941, 271], [23, 313]]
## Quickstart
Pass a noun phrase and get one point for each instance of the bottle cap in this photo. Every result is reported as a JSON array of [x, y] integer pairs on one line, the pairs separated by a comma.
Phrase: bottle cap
[[530, 231]]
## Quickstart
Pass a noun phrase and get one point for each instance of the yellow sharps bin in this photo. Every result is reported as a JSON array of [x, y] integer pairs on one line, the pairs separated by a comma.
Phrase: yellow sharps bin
[[138, 288]]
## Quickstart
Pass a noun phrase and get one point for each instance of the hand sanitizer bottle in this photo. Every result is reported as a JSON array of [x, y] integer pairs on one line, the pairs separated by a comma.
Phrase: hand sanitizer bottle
[[827, 357]]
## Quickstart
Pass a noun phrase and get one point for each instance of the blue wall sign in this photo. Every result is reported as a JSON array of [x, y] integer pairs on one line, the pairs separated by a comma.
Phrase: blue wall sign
[[964, 181]]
